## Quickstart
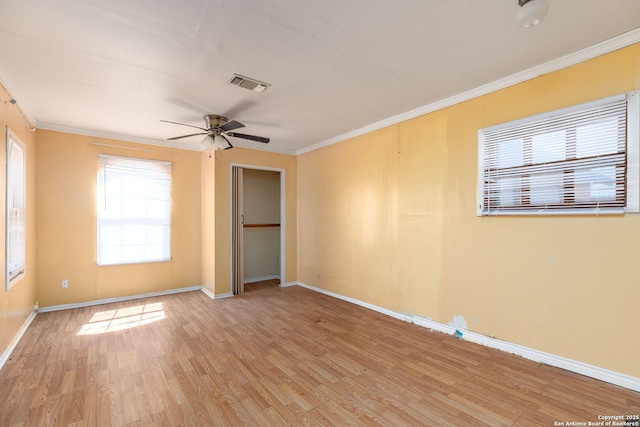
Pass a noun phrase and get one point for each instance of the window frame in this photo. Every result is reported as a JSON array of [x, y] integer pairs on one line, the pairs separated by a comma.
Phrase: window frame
[[13, 274], [631, 161], [135, 167]]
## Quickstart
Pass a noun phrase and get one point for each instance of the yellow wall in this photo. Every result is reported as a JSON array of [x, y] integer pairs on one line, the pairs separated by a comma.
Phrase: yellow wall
[[207, 231], [390, 218], [223, 161], [16, 305], [67, 166], [348, 219]]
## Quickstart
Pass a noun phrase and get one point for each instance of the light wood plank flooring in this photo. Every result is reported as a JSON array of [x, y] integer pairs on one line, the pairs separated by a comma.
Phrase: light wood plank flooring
[[277, 356]]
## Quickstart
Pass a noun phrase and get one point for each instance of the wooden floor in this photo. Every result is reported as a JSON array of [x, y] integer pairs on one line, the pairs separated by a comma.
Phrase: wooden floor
[[277, 356]]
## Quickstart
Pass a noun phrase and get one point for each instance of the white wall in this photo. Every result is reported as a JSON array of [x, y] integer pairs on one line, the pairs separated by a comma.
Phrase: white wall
[[261, 206]]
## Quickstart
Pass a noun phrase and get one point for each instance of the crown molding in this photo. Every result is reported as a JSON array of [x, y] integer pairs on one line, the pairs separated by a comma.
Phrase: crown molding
[[607, 46], [15, 95], [117, 136], [156, 142]]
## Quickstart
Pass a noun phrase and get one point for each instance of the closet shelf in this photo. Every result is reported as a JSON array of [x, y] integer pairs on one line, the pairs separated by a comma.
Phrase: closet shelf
[[260, 225]]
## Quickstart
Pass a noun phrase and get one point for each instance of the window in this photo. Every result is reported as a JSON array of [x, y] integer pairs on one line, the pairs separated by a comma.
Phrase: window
[[15, 215], [134, 210], [582, 159]]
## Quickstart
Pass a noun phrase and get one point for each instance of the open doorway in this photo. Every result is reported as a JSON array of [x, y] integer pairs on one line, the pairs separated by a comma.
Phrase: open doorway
[[257, 227]]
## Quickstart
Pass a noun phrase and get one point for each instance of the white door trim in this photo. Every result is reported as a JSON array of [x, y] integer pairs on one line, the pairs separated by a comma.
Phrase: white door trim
[[283, 225]]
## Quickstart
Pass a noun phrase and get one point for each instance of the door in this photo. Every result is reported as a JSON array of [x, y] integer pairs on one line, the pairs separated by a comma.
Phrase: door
[[257, 225], [237, 231]]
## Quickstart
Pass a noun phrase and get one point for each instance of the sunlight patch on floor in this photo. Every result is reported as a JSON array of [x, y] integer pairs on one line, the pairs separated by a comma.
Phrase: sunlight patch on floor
[[123, 318]]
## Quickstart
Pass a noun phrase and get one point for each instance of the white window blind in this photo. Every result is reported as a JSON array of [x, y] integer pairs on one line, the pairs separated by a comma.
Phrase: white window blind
[[577, 160], [134, 210], [15, 209]]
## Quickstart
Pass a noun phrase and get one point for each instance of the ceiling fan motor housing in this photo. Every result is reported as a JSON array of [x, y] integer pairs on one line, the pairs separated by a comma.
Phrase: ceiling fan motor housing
[[214, 121]]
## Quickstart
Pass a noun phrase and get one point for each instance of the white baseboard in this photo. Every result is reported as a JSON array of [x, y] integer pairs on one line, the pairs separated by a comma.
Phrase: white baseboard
[[220, 296], [214, 296], [286, 285], [596, 372], [134, 297], [14, 342], [261, 279], [208, 292], [391, 313], [118, 299]]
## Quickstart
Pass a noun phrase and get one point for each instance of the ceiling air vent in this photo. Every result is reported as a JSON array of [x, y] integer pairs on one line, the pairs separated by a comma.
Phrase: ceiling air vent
[[248, 83]]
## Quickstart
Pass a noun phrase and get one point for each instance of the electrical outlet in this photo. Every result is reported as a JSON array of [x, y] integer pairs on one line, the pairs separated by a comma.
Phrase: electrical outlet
[[64, 284]]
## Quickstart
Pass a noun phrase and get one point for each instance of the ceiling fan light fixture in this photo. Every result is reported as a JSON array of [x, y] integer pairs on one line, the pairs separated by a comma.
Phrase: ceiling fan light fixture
[[531, 12], [207, 141], [216, 142], [221, 143]]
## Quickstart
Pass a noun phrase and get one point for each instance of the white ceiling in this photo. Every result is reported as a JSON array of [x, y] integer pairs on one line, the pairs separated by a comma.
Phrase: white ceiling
[[115, 68]]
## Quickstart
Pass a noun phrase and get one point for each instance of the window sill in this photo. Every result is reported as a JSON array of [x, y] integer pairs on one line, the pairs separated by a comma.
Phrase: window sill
[[556, 212], [134, 263]]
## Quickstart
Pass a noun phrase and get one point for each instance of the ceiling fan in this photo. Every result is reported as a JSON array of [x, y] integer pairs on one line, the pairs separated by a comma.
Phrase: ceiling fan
[[217, 129]]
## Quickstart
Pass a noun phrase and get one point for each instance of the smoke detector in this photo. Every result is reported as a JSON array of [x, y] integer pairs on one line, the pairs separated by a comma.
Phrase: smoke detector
[[249, 83]]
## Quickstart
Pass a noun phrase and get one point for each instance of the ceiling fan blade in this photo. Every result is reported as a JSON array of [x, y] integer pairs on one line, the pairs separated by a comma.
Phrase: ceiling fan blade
[[186, 136], [250, 137], [184, 124], [228, 147], [231, 125]]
